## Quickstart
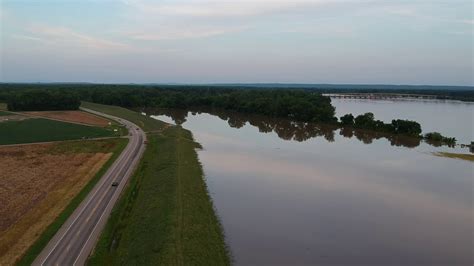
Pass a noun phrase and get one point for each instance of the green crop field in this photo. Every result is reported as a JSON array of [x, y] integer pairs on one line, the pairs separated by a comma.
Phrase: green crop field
[[165, 215], [145, 122], [42, 130]]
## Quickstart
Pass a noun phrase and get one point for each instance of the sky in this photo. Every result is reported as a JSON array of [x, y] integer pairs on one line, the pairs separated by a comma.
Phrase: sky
[[427, 42]]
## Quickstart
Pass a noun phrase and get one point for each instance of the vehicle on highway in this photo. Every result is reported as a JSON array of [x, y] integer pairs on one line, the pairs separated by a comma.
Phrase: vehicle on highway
[[114, 184]]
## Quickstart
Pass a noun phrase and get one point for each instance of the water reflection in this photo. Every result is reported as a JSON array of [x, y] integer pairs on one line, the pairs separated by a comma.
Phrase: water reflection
[[311, 195], [288, 129]]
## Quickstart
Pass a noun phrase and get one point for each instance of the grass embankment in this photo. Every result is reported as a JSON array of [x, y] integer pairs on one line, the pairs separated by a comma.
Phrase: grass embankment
[[114, 146], [165, 215], [42, 130], [3, 106], [461, 156], [145, 122], [3, 113]]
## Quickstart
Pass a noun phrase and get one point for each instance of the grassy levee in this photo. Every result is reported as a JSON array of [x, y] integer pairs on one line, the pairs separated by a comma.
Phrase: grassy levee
[[145, 122], [51, 230], [165, 215], [42, 130], [3, 113]]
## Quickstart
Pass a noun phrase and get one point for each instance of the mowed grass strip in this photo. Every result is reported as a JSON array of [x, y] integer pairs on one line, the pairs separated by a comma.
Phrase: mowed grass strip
[[145, 122], [43, 130], [165, 216], [114, 146]]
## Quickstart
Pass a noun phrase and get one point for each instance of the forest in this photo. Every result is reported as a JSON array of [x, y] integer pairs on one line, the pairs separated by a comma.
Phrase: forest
[[41, 100], [294, 104], [303, 105]]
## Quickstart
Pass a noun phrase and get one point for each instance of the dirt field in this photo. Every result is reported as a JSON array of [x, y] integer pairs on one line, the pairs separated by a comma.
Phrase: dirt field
[[36, 184], [72, 116]]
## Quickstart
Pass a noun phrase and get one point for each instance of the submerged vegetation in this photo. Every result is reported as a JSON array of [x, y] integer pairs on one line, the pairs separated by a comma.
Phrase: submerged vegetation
[[436, 137], [397, 127], [299, 104], [367, 121], [288, 129]]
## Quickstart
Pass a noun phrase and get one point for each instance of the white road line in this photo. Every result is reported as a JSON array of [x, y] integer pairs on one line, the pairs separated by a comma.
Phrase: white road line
[[112, 174]]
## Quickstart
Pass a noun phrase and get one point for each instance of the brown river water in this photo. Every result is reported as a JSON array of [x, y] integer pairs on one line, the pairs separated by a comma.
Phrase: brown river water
[[300, 194]]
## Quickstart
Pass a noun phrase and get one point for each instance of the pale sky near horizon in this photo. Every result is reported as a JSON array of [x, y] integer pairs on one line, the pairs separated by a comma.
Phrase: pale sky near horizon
[[239, 41]]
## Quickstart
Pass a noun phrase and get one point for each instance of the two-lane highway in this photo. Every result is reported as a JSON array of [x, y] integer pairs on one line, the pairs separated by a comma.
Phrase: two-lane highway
[[77, 237]]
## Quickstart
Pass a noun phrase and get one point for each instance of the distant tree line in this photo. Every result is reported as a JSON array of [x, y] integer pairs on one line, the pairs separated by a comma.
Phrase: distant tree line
[[42, 100], [463, 93], [304, 105]]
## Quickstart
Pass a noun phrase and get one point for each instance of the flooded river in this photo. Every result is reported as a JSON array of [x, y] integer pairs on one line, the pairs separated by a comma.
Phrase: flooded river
[[301, 194]]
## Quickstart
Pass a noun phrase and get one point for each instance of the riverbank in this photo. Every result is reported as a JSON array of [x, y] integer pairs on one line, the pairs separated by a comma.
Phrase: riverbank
[[165, 216]]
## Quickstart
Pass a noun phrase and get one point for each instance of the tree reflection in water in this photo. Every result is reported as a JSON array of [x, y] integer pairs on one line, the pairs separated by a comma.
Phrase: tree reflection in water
[[288, 129]]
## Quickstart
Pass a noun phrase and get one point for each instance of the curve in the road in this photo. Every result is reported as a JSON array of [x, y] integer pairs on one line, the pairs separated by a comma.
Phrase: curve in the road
[[77, 237]]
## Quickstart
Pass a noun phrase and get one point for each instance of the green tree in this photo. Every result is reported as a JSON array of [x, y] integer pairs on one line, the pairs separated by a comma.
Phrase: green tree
[[347, 120]]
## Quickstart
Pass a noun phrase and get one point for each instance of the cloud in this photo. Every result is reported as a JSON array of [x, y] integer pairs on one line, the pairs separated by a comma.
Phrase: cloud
[[223, 8], [187, 19], [69, 37], [183, 32]]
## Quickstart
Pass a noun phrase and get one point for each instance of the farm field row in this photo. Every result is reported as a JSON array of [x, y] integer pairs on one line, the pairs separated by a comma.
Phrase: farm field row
[[41, 184], [44, 130]]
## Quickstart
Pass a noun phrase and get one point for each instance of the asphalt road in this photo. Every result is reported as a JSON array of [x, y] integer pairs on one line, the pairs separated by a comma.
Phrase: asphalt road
[[75, 240]]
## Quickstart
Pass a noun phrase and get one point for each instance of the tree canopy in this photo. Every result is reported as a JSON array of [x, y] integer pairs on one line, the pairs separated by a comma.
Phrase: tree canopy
[[42, 100]]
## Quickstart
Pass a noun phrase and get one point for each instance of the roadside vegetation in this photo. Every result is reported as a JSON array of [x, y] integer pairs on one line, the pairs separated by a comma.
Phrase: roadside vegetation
[[43, 184], [146, 123], [2, 113], [43, 130], [165, 215]]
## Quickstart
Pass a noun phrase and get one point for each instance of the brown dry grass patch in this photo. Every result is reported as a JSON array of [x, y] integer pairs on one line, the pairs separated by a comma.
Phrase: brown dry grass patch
[[72, 116], [461, 156], [36, 184]]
